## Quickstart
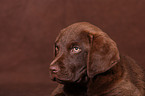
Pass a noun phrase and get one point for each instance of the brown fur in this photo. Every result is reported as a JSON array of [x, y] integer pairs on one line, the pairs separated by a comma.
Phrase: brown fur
[[97, 70]]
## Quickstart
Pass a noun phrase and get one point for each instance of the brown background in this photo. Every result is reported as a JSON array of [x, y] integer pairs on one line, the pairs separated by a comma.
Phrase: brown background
[[28, 29]]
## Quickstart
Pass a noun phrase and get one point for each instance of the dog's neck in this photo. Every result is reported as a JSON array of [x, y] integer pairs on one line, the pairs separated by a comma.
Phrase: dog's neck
[[100, 83], [77, 88], [95, 85]]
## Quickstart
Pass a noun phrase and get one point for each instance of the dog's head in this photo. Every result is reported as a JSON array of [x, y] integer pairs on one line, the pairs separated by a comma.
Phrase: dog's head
[[82, 49]]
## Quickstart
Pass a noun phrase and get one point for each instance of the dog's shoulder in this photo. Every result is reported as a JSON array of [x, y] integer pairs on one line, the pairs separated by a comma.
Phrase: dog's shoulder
[[124, 79], [133, 73]]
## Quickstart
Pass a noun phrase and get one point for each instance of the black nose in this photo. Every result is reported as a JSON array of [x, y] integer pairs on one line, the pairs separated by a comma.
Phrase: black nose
[[53, 69]]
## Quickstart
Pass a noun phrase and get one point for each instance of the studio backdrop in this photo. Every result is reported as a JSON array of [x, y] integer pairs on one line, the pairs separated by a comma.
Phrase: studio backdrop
[[28, 29]]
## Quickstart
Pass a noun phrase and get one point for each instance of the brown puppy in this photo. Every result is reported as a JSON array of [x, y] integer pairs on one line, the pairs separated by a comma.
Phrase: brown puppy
[[87, 63]]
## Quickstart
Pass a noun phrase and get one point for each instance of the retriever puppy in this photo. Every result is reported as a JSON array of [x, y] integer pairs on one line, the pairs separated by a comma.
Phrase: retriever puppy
[[87, 63]]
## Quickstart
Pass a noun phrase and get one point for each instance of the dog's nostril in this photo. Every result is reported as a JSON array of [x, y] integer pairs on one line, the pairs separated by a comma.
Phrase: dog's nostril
[[53, 69]]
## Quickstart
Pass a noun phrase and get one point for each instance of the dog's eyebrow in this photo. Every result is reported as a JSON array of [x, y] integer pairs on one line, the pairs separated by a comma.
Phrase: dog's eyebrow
[[72, 44]]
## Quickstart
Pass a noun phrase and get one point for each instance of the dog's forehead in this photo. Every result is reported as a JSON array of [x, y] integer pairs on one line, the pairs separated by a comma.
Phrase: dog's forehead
[[67, 36], [73, 31]]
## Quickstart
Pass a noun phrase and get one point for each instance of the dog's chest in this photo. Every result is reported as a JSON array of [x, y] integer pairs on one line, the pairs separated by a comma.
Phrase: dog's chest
[[75, 90]]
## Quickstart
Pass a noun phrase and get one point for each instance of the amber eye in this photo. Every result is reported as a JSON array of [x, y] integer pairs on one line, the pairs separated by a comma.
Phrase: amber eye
[[75, 49]]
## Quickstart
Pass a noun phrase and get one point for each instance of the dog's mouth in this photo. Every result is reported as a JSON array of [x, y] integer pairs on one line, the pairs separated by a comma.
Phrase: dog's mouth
[[59, 79], [67, 81], [82, 79], [72, 78]]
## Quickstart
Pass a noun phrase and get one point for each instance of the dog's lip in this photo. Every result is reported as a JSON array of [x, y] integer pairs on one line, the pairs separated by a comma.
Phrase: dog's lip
[[59, 80], [54, 77], [66, 81]]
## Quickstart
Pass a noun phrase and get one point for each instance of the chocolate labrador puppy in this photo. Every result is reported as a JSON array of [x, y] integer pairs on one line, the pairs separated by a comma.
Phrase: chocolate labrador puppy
[[87, 63]]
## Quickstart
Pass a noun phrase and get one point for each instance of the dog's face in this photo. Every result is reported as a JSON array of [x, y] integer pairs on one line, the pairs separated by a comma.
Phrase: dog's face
[[81, 49], [70, 61]]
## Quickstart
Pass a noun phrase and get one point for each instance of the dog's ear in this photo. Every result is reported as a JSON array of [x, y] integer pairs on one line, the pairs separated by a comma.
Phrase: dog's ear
[[103, 54]]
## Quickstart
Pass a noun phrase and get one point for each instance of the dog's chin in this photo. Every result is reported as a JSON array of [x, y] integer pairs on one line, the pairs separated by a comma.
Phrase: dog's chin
[[82, 78], [69, 81], [59, 79], [62, 81]]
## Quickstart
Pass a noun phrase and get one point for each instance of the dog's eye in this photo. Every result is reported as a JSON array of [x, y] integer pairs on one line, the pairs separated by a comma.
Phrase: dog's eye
[[75, 50], [56, 50]]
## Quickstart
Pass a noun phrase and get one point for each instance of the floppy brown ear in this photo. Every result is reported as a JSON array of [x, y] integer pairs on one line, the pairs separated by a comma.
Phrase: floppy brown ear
[[103, 54]]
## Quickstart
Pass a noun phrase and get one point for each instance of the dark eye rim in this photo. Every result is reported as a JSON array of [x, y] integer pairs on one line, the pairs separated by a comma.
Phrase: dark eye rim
[[72, 45], [76, 47]]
